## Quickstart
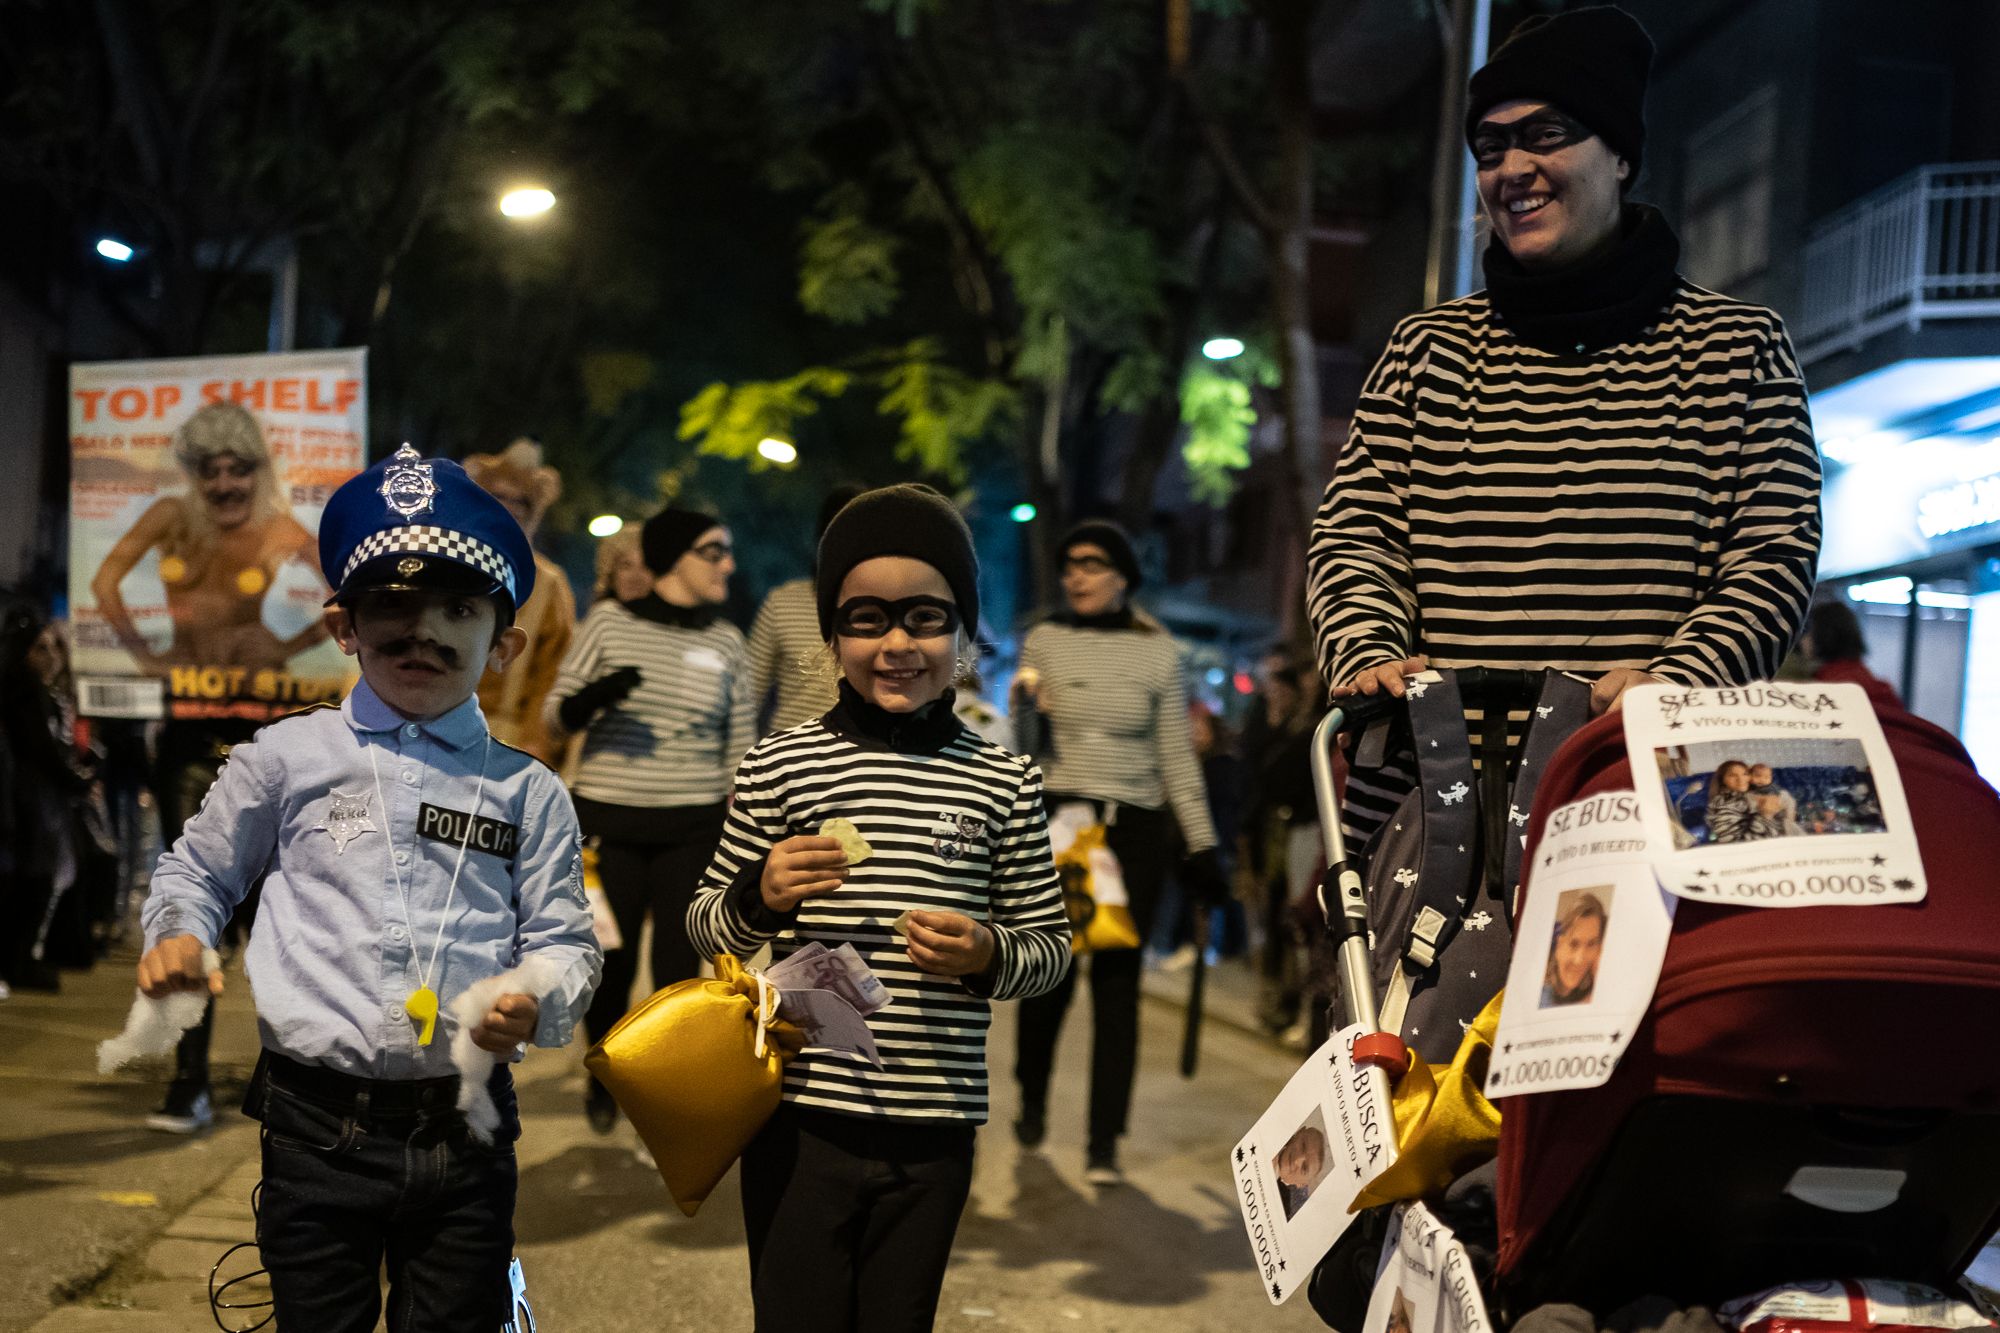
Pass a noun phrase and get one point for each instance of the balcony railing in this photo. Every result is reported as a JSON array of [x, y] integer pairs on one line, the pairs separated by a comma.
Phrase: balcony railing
[[1921, 248]]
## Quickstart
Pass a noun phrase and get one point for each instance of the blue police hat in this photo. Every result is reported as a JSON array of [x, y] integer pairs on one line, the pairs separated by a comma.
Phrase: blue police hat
[[415, 523]]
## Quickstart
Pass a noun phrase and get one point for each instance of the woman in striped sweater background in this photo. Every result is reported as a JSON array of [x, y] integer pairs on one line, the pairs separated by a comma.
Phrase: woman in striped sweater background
[[656, 686], [1110, 686], [1593, 464], [852, 1192]]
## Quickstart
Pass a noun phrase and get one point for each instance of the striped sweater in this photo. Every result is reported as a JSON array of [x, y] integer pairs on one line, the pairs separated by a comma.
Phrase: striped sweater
[[955, 826], [1117, 710], [1653, 504], [674, 740], [784, 647]]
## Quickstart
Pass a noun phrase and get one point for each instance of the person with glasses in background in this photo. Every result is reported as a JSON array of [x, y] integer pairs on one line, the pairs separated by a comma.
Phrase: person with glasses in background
[[658, 687], [1108, 683]]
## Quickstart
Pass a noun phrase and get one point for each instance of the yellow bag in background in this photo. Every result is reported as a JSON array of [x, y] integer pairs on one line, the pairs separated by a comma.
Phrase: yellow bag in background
[[1093, 883], [686, 1068]]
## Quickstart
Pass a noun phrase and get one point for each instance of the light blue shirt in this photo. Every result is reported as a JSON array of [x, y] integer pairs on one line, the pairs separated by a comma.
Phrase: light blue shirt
[[332, 958]]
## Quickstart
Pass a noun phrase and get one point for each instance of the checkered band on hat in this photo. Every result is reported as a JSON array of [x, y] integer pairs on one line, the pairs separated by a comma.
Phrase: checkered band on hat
[[425, 539]]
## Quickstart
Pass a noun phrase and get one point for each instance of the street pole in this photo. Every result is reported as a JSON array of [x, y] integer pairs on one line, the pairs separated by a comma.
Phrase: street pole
[[1448, 262]]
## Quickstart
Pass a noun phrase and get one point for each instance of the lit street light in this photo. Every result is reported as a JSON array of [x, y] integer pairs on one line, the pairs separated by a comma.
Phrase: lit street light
[[1222, 349], [606, 525], [116, 251], [778, 451], [527, 202], [1022, 513]]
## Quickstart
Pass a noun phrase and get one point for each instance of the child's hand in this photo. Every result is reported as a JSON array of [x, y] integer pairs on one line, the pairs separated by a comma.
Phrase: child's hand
[[507, 1024], [802, 868], [949, 944], [174, 964]]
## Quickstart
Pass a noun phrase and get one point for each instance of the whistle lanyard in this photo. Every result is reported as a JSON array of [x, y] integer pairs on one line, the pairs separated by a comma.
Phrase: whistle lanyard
[[422, 1003]]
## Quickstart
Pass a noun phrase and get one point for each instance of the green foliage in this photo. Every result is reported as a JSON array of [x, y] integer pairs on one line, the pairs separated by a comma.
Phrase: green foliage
[[847, 265], [944, 411], [731, 420], [1215, 407]]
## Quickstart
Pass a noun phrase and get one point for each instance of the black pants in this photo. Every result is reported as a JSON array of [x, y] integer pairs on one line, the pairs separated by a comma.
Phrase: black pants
[[850, 1221], [1143, 842], [656, 877], [359, 1173]]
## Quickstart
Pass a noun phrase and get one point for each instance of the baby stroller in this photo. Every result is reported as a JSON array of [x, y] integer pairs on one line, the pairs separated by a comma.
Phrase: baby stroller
[[1809, 1095]]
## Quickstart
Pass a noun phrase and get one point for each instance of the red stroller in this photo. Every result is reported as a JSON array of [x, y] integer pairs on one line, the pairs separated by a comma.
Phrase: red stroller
[[1813, 1093]]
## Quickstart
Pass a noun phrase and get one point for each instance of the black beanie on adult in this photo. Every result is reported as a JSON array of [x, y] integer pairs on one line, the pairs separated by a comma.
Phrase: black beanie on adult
[[907, 520], [1103, 532], [671, 534], [1592, 63]]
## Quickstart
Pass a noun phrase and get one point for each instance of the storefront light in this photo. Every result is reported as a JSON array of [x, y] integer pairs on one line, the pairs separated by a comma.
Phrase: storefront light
[[1883, 592]]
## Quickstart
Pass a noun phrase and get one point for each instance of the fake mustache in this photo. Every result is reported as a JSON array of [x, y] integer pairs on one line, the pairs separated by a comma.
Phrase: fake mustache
[[422, 649]]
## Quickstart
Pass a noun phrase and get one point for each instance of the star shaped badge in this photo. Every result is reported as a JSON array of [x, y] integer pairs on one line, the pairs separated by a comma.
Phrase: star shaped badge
[[346, 819]]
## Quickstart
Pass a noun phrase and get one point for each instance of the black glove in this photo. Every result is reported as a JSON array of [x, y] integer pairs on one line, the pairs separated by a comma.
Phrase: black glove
[[1206, 882], [576, 711]]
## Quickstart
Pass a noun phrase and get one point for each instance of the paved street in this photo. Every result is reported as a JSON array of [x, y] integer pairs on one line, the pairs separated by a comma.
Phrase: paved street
[[105, 1226]]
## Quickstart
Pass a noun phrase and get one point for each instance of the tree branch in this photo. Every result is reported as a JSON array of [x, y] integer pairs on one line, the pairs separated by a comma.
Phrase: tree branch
[[1262, 216]]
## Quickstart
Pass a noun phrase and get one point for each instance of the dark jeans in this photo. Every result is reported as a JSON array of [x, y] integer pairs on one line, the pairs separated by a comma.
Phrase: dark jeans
[[850, 1221], [656, 877], [358, 1173], [1143, 841]]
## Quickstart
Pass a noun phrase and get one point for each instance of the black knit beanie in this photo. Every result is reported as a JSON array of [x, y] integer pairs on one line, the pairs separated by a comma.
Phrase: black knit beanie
[[907, 520], [1103, 532], [1592, 63], [671, 534]]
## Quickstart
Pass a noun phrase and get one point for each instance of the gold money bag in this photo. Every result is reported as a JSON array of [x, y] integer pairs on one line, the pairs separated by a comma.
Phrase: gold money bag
[[686, 1069]]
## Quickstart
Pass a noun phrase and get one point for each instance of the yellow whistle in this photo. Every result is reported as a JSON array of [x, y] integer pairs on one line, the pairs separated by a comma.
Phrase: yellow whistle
[[423, 1006]]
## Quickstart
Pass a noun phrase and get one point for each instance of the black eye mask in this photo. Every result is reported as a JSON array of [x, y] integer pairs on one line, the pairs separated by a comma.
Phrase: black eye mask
[[873, 617], [1542, 133]]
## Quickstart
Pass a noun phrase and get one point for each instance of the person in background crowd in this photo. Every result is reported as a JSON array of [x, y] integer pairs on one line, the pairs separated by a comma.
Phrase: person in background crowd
[[1661, 428], [221, 547], [622, 575], [48, 780], [658, 687], [1222, 779], [513, 700], [785, 646], [1113, 691], [1834, 645]]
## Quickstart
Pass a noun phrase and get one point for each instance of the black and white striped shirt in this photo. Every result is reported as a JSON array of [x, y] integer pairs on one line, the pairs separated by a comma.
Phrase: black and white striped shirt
[[1653, 504], [675, 739], [785, 651], [960, 829], [1117, 710]]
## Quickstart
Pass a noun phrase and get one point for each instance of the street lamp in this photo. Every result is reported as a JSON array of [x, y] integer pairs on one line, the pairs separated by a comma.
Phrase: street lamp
[[1222, 349], [606, 525], [777, 451], [116, 251], [529, 201], [1022, 513]]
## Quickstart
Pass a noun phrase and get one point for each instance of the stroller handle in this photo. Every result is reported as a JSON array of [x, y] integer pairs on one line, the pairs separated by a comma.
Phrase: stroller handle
[[1349, 919]]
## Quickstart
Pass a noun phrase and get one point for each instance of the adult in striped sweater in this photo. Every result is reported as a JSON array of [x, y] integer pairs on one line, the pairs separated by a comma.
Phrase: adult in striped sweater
[[785, 642], [852, 1192], [1593, 464], [658, 688], [1109, 684]]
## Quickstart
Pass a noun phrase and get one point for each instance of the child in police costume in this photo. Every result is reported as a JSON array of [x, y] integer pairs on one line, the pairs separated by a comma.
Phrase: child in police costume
[[406, 855], [852, 1192]]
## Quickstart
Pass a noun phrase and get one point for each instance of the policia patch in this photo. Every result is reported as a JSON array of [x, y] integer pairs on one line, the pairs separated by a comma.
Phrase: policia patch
[[488, 835]]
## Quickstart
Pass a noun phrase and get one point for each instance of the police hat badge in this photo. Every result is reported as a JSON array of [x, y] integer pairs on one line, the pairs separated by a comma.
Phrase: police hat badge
[[411, 523]]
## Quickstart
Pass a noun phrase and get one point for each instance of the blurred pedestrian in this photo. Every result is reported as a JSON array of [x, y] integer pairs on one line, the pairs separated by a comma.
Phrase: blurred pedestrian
[[1661, 429], [513, 700], [853, 1190], [1284, 823], [785, 644], [622, 575], [1835, 647], [1174, 933], [1111, 686], [659, 689], [48, 780]]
